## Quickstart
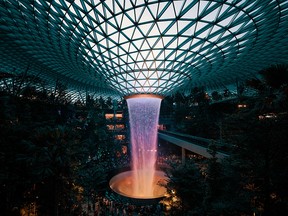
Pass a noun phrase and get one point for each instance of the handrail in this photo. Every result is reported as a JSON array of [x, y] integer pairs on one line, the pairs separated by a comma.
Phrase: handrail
[[204, 142]]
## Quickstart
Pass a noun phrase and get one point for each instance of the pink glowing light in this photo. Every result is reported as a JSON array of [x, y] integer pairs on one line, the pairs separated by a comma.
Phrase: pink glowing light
[[143, 120]]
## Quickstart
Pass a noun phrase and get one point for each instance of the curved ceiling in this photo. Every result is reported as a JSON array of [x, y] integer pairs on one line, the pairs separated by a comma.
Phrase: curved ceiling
[[122, 47]]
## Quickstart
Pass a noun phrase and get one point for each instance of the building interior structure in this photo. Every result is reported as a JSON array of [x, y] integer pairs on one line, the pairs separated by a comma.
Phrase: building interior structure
[[66, 67]]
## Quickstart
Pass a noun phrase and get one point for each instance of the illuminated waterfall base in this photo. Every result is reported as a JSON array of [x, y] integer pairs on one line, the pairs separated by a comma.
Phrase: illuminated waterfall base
[[142, 181], [123, 184]]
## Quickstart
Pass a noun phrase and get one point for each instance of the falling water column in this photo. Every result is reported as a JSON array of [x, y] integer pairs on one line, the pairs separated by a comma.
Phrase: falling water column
[[143, 120]]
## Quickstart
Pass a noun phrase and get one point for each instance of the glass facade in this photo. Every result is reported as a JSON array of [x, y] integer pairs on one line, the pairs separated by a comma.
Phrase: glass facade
[[118, 48]]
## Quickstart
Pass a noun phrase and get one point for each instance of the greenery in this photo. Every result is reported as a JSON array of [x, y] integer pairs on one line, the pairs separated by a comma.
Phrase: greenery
[[252, 180], [56, 155], [185, 188]]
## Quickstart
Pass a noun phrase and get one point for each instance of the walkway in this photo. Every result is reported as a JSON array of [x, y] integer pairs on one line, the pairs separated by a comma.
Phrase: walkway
[[194, 144]]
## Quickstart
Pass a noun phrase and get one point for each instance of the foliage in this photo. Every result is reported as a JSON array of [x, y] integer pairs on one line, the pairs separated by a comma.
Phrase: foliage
[[260, 152], [214, 187], [272, 89], [275, 76], [256, 166], [252, 180], [51, 154], [186, 183]]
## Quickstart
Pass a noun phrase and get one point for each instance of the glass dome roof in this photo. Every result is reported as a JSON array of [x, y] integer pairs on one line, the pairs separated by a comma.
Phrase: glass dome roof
[[123, 47]]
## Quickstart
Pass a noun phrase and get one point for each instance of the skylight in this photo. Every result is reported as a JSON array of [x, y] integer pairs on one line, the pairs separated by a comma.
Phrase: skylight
[[139, 46]]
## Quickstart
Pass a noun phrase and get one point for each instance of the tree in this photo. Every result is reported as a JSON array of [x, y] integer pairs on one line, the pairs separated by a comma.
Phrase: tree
[[216, 96], [275, 76], [272, 89], [41, 160], [257, 162], [214, 185], [186, 183], [51, 155]]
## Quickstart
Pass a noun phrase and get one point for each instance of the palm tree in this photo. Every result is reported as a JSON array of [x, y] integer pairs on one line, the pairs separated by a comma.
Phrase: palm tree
[[272, 88]]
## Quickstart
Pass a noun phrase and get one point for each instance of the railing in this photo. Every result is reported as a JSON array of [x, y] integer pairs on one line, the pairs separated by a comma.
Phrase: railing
[[199, 141]]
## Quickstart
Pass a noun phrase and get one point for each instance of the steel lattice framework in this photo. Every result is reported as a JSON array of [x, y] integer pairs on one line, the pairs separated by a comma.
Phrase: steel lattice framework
[[122, 47]]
